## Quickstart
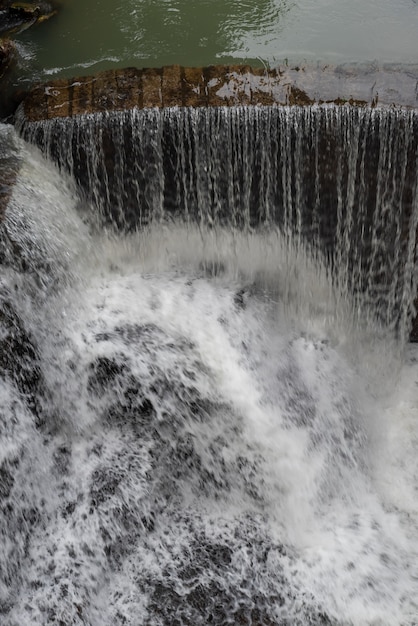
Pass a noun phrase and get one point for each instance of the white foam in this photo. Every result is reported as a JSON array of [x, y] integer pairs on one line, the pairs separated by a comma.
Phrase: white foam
[[239, 345]]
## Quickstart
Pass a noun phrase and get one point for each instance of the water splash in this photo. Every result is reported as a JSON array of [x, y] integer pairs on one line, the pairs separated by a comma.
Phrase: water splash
[[340, 181], [184, 435]]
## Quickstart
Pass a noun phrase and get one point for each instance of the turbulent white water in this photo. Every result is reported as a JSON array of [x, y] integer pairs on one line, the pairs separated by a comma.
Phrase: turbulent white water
[[341, 179], [192, 432]]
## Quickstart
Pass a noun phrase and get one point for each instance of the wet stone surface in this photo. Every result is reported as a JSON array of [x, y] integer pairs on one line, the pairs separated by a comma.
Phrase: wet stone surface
[[9, 167], [114, 90], [18, 16]]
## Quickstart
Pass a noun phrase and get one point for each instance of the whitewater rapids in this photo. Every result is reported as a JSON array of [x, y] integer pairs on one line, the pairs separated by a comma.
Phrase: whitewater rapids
[[193, 430]]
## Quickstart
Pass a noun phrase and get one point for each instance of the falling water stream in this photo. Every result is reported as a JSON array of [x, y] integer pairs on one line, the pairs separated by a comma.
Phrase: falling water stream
[[202, 421]]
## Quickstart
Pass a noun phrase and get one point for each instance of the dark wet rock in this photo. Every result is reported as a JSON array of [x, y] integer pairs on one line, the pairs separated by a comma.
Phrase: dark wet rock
[[414, 329], [104, 374], [127, 397], [111, 380], [213, 268], [14, 18], [7, 52], [22, 505], [6, 482], [239, 299], [213, 580], [9, 167], [62, 459], [104, 485], [18, 357], [18, 16]]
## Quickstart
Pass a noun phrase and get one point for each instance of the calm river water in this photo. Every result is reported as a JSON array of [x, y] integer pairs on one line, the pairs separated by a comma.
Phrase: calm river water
[[91, 35]]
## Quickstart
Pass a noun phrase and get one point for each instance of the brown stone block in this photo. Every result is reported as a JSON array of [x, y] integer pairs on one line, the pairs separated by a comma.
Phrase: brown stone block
[[81, 96], [58, 98], [238, 85], [265, 87], [35, 105], [299, 97], [220, 85], [195, 94], [104, 92], [241, 84], [152, 88], [172, 88], [129, 87], [217, 85]]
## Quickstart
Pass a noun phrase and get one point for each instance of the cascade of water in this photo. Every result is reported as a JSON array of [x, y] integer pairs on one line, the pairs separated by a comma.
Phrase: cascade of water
[[340, 180], [180, 443]]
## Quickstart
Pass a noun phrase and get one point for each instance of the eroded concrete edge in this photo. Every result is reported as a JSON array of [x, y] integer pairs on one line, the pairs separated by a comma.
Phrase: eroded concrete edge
[[361, 85]]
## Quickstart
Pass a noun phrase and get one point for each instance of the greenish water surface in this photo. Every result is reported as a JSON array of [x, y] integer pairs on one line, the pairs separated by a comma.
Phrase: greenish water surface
[[91, 35]]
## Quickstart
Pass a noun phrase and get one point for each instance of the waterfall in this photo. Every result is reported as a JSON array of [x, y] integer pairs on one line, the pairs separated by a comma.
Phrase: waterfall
[[339, 180], [201, 420]]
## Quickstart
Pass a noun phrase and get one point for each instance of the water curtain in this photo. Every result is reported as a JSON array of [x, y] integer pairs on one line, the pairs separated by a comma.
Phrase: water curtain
[[339, 180]]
